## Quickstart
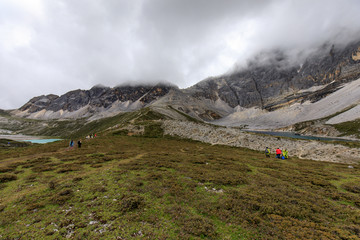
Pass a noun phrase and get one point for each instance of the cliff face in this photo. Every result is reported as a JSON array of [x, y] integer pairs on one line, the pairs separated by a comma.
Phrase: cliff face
[[272, 84], [269, 85], [96, 97]]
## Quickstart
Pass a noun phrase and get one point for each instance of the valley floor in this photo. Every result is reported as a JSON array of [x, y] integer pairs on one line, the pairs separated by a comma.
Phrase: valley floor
[[305, 149], [121, 187]]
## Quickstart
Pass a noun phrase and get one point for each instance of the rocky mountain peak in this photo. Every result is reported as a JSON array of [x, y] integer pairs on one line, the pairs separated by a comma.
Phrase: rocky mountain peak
[[98, 97], [37, 103], [272, 79]]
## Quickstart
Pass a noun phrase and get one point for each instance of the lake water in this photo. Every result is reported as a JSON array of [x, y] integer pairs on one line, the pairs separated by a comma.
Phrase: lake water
[[293, 135], [42, 140], [28, 138]]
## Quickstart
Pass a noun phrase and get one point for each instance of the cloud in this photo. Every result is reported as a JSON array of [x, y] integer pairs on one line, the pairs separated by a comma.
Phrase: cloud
[[57, 46], [301, 26]]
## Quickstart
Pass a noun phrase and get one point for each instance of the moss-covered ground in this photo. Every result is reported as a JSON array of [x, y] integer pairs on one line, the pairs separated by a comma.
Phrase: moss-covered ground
[[122, 187], [349, 128]]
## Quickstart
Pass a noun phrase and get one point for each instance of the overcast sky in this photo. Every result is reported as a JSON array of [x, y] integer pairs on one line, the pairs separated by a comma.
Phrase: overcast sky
[[54, 46]]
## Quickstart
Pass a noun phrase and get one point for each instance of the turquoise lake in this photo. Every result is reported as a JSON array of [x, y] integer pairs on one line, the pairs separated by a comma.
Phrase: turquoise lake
[[42, 140]]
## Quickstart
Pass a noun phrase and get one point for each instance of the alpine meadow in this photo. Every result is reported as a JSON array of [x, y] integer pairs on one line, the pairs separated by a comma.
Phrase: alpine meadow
[[180, 120]]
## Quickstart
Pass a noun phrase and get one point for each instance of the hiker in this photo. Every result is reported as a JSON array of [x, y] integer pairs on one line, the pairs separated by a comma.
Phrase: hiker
[[285, 154], [267, 152], [278, 153], [79, 144], [71, 143]]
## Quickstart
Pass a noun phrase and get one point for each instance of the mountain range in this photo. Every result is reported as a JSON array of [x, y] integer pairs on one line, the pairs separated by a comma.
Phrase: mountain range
[[272, 92]]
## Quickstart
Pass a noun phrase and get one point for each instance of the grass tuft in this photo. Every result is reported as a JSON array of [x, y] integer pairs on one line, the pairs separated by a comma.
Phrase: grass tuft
[[7, 177]]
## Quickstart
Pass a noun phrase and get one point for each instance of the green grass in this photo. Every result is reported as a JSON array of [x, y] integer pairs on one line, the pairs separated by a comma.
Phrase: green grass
[[349, 128], [121, 187], [74, 128], [4, 113], [7, 143]]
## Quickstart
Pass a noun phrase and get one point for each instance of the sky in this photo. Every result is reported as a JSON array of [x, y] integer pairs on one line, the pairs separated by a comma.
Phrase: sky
[[54, 46]]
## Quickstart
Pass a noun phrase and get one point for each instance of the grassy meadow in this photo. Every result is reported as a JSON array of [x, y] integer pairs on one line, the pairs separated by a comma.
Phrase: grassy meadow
[[147, 187]]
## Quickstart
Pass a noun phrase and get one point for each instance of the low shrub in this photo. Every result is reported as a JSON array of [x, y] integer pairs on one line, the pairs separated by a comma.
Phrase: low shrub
[[62, 197], [7, 169], [52, 184], [199, 227], [96, 165], [353, 187], [77, 179], [43, 168], [33, 206], [69, 168], [153, 130], [32, 177], [98, 188], [7, 177], [131, 202], [122, 132], [65, 192]]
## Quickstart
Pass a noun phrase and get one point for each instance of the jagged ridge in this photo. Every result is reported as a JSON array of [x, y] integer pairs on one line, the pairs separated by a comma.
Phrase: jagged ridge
[[271, 84]]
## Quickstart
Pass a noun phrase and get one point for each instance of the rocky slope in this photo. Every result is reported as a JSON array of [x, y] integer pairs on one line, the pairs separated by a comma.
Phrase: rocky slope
[[86, 103], [313, 150], [276, 82], [271, 94], [343, 104]]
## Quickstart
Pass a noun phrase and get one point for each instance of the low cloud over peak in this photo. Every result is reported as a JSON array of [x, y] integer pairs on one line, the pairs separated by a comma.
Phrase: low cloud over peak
[[57, 46]]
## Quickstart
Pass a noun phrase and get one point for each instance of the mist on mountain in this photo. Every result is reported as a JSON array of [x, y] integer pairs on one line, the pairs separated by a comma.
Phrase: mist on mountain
[[53, 47]]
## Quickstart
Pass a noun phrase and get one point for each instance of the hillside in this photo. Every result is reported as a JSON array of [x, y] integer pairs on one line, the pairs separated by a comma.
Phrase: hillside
[[96, 101], [177, 123], [316, 96], [66, 128], [154, 187], [272, 79], [338, 107]]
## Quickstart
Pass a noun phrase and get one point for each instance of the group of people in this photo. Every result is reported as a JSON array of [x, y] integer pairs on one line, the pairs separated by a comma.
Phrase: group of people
[[281, 154], [79, 143], [91, 136], [71, 144]]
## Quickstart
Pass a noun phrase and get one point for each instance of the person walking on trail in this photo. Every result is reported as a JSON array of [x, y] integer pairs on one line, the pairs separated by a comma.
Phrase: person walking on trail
[[79, 144], [285, 154], [267, 152], [278, 153], [71, 143]]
